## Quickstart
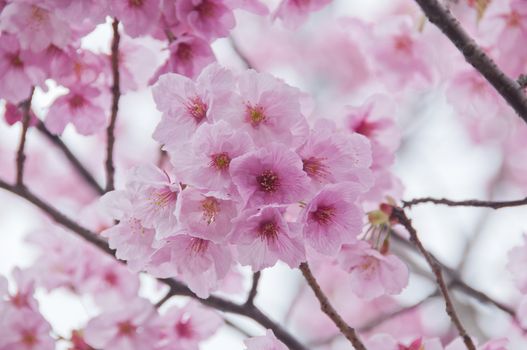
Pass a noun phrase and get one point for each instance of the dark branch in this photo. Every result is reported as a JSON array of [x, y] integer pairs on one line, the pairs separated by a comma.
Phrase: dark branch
[[74, 161], [20, 156], [466, 203], [399, 216], [254, 288], [176, 287], [328, 309], [116, 95], [509, 89]]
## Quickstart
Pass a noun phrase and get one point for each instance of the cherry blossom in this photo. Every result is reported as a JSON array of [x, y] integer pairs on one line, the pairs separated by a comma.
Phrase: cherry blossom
[[265, 342]]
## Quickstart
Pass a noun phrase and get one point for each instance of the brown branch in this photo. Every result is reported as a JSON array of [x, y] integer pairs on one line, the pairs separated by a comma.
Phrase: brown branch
[[399, 216], [509, 89], [20, 156], [328, 309], [116, 95], [74, 161], [466, 203], [254, 288], [176, 287]]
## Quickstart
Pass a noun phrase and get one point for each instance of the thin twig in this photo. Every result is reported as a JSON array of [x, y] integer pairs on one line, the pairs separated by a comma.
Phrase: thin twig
[[176, 287], [509, 89], [74, 161], [246, 61], [399, 215], [20, 156], [116, 95], [328, 309], [466, 203], [237, 328], [254, 288]]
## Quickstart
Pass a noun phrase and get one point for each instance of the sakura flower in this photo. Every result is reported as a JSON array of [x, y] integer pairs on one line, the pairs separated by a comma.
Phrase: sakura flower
[[294, 12], [24, 329], [271, 175], [18, 70], [129, 326], [516, 265], [80, 108], [265, 342], [206, 163], [387, 342], [270, 111], [188, 56], [200, 263], [262, 237], [35, 26], [187, 104], [331, 157], [23, 297], [139, 17], [188, 326], [209, 19], [332, 218], [372, 273], [154, 199], [14, 114], [206, 215], [78, 342]]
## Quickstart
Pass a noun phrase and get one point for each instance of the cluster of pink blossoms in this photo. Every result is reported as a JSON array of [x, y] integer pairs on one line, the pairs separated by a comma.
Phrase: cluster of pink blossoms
[[251, 183]]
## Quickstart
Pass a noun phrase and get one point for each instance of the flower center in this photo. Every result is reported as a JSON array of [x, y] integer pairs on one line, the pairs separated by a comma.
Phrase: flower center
[[16, 61], [255, 115], [161, 198], [210, 207], [29, 339], [197, 109], [76, 101], [268, 181], [206, 8], [403, 43], [38, 14], [19, 300], [126, 328], [184, 327], [268, 230], [198, 245], [184, 52], [323, 215], [135, 3], [315, 168], [221, 161]]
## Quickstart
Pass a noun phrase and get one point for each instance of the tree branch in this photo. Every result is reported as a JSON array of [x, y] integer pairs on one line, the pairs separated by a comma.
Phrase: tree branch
[[74, 161], [509, 89], [116, 95], [466, 203], [254, 288], [20, 156], [399, 215], [328, 309], [176, 287]]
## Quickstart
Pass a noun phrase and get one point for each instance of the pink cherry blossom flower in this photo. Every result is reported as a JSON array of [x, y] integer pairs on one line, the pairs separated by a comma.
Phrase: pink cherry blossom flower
[[265, 342], [128, 326], [206, 215], [24, 329], [188, 326], [187, 104], [139, 17], [74, 67], [332, 218], [516, 265], [270, 111], [262, 237], [25, 288], [271, 175], [155, 197], [188, 56], [80, 108], [206, 163], [372, 273], [207, 18], [387, 342], [294, 12], [18, 70], [200, 263], [330, 157], [35, 26], [14, 114]]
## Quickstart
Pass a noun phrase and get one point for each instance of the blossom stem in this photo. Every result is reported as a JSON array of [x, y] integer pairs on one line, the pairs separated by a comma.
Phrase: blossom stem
[[509, 89], [116, 95], [254, 288], [74, 161], [466, 203], [329, 310], [399, 215], [20, 156]]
